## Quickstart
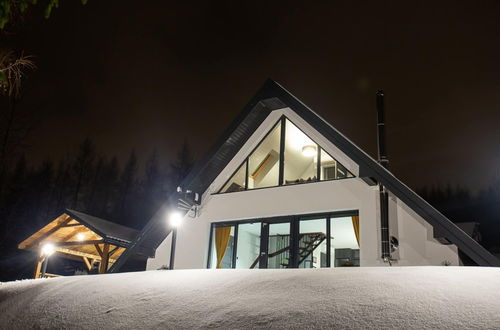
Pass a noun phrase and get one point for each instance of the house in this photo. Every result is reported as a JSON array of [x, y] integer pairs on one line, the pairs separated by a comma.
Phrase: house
[[282, 188]]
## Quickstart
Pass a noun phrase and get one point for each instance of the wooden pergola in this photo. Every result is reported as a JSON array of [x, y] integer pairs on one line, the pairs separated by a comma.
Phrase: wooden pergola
[[76, 235]]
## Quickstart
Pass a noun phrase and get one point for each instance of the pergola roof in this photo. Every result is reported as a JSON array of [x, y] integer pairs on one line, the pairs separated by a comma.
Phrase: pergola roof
[[76, 234]]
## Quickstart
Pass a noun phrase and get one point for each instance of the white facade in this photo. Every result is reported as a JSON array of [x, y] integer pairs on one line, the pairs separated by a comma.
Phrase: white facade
[[416, 243]]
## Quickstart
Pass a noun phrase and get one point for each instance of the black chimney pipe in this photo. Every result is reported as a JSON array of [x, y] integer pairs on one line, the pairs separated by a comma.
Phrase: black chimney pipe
[[384, 198]]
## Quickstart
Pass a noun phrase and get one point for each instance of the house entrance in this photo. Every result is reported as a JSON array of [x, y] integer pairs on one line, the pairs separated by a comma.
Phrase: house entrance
[[310, 241]]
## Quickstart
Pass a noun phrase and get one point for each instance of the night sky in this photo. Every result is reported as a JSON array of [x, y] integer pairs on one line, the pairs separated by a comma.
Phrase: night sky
[[147, 74]]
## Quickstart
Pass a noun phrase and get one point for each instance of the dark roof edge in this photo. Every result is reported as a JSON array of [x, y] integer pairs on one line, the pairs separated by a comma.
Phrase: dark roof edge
[[106, 237]]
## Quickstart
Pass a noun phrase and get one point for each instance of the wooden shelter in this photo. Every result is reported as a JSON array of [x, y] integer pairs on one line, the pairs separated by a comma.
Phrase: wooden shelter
[[76, 235]]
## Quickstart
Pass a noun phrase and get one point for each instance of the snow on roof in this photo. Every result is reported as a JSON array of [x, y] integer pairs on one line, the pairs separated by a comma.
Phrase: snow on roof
[[352, 298]]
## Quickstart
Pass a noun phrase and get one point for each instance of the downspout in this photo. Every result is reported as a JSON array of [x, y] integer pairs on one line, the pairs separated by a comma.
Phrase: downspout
[[384, 198]]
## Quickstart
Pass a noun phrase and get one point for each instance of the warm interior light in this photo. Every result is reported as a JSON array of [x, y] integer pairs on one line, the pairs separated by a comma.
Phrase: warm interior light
[[175, 218], [80, 236], [48, 249], [309, 150]]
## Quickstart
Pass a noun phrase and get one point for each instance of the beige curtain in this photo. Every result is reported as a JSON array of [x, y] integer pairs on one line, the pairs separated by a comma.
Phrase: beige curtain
[[222, 235], [355, 225]]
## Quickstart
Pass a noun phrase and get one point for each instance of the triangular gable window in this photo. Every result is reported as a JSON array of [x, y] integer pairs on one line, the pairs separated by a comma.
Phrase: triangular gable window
[[285, 156]]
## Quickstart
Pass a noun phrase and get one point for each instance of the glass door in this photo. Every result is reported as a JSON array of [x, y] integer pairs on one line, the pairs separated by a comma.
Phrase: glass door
[[308, 241], [313, 242], [276, 245]]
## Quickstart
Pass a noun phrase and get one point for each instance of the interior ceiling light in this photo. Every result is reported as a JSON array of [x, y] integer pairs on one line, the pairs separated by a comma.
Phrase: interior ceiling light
[[80, 236], [309, 150]]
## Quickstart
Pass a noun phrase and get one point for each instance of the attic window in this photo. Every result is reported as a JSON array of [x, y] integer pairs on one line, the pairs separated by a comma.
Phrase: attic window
[[285, 156]]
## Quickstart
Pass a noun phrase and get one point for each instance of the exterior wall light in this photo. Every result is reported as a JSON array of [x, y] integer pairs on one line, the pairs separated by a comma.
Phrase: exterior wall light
[[309, 151], [175, 219]]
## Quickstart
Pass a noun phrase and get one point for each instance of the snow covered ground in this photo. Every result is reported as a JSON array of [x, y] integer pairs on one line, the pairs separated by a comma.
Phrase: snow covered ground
[[397, 297]]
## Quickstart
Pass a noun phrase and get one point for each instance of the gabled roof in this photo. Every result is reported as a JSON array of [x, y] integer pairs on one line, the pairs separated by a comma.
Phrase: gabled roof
[[273, 96], [106, 229]]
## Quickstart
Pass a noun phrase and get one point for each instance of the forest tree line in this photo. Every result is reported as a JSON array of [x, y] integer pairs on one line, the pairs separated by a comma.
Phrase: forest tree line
[[32, 196], [460, 205]]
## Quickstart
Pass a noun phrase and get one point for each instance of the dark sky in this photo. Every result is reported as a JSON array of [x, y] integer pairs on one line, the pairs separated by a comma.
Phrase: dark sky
[[147, 74]]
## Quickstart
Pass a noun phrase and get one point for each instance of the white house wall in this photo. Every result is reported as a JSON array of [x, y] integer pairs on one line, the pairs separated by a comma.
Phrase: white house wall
[[417, 247]]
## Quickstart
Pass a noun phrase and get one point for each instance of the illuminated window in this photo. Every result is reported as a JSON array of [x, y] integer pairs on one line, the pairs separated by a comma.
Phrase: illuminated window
[[302, 161]]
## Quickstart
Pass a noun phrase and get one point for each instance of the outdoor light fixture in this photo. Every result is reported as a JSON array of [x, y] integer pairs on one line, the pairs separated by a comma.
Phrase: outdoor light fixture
[[48, 249], [175, 218], [80, 236], [309, 150]]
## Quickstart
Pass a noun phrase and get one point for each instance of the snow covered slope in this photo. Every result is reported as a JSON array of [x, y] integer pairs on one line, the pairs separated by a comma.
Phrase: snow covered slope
[[410, 297]]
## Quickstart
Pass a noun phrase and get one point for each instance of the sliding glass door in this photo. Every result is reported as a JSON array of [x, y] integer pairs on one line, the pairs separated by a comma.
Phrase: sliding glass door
[[275, 245], [313, 241]]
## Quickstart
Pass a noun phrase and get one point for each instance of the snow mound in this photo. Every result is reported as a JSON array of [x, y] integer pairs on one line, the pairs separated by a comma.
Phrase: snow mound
[[343, 298]]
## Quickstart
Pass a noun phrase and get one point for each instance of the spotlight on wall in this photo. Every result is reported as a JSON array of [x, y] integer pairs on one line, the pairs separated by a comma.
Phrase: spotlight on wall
[[309, 150], [48, 249], [80, 236], [175, 218]]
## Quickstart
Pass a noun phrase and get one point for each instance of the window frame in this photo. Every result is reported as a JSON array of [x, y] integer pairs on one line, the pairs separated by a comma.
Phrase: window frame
[[293, 220], [281, 165]]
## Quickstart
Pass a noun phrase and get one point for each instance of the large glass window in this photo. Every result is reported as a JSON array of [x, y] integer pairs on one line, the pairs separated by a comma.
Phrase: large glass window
[[301, 155], [309, 241], [279, 245], [237, 182], [303, 161], [345, 242], [222, 247], [263, 163], [248, 246], [330, 169], [313, 243]]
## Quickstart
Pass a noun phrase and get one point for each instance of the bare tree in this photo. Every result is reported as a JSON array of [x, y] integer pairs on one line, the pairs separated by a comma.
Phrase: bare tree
[[12, 70]]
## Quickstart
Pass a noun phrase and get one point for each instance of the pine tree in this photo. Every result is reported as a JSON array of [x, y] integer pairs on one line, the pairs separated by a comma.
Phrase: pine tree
[[181, 167], [82, 168]]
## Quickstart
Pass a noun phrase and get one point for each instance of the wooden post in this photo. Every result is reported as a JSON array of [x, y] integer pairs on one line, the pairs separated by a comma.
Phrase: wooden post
[[103, 266], [38, 267], [87, 263]]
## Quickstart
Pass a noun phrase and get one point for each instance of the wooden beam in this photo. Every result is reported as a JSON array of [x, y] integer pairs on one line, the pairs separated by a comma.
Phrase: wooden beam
[[46, 234], [72, 225], [73, 234], [87, 263], [98, 249], [103, 266], [38, 266], [91, 242], [113, 251], [81, 254]]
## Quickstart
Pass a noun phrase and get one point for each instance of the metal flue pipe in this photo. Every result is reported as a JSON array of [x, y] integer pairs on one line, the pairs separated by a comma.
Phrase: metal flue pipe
[[384, 198]]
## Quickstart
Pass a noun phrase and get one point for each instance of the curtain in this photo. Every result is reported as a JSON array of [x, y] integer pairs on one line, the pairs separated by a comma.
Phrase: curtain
[[355, 225], [222, 235]]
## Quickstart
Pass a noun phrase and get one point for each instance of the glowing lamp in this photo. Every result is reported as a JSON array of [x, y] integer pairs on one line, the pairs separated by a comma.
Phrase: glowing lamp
[[309, 151], [48, 249], [80, 237], [175, 219]]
